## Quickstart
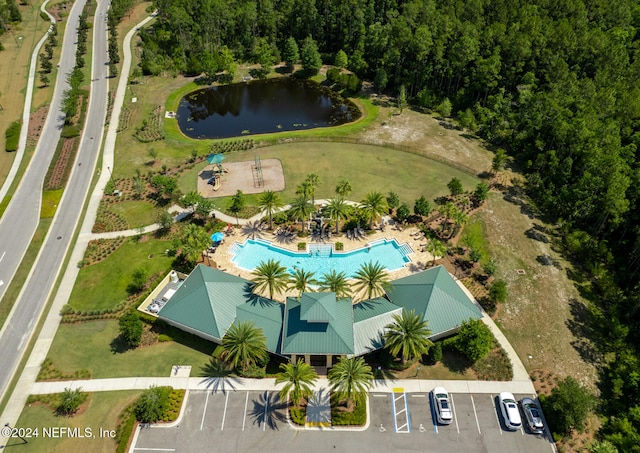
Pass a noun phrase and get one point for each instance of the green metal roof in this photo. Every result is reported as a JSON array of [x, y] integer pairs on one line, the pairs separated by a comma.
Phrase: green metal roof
[[332, 337], [436, 296], [318, 307], [207, 300], [267, 315], [370, 319]]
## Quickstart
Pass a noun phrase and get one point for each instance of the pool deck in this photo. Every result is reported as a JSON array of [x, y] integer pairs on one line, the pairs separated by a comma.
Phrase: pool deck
[[420, 259]]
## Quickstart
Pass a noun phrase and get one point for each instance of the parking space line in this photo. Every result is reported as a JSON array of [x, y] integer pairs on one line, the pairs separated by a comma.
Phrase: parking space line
[[418, 396], [224, 414], [475, 414], [155, 449], [204, 412], [405, 427], [244, 418], [379, 396], [266, 406], [495, 411], [455, 417]]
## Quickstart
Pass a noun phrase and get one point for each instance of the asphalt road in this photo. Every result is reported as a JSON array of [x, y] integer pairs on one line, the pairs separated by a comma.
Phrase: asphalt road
[[21, 218]]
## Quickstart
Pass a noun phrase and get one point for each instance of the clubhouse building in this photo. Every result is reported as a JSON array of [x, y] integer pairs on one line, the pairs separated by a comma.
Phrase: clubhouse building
[[317, 326]]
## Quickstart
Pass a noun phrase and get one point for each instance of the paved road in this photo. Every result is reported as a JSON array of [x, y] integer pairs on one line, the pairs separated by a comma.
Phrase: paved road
[[21, 218]]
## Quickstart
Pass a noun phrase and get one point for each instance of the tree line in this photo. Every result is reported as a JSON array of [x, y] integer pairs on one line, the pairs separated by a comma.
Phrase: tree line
[[554, 83]]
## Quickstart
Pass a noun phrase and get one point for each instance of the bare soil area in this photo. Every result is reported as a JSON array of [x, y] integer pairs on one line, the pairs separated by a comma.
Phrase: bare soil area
[[425, 133], [243, 176]]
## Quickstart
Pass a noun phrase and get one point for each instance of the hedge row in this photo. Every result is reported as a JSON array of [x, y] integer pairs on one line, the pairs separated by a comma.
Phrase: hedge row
[[12, 136]]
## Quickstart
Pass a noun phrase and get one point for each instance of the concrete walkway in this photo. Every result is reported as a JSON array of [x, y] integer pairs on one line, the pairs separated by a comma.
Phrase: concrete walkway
[[268, 384]]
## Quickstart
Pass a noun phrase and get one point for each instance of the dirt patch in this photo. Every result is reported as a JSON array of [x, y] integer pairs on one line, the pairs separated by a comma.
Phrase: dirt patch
[[427, 134], [242, 176], [36, 122]]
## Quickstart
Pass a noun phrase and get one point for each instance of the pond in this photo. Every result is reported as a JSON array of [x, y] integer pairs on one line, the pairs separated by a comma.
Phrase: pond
[[262, 106]]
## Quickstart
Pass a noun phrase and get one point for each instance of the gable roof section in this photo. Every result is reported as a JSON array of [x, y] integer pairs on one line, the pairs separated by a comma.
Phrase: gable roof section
[[318, 307], [267, 315], [207, 300], [370, 317], [436, 296], [303, 337]]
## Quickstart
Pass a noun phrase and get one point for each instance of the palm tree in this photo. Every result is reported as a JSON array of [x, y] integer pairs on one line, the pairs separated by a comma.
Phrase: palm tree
[[270, 276], [374, 204], [448, 211], [298, 378], [269, 201], [335, 282], [301, 280], [436, 248], [244, 344], [407, 334], [313, 180], [350, 376], [193, 240], [372, 278], [459, 218], [337, 209], [300, 209], [343, 188], [304, 189]]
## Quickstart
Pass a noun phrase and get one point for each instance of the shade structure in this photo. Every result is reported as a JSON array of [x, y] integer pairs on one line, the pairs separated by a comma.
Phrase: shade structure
[[215, 158], [217, 237]]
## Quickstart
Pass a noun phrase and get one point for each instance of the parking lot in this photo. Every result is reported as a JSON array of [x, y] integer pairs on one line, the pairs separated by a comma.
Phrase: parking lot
[[254, 420]]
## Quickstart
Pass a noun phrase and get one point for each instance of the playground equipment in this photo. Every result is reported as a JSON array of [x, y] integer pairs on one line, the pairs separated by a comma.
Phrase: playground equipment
[[258, 179]]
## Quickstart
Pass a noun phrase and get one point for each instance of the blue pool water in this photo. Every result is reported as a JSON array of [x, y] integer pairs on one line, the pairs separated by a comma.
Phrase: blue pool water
[[320, 259]]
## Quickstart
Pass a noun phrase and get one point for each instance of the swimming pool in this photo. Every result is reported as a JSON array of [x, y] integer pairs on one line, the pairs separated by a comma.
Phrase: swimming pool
[[321, 258]]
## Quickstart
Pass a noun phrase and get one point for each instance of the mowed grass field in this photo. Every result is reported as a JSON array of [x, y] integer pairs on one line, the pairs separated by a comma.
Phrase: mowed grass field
[[368, 168], [101, 410], [94, 350], [104, 285]]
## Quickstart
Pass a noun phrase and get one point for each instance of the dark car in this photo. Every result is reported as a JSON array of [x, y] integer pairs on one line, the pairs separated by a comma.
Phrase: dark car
[[532, 415]]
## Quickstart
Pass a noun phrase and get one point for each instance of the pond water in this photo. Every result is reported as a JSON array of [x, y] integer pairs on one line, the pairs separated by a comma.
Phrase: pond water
[[262, 106]]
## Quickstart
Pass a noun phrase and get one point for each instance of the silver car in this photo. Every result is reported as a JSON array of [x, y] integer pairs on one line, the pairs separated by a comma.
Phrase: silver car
[[442, 404], [510, 412], [532, 415]]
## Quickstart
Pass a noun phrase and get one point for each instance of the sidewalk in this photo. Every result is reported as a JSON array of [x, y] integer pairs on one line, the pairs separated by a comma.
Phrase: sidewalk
[[268, 384]]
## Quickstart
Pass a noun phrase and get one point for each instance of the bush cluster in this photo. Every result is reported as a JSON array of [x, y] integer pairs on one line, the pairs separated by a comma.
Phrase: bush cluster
[[12, 136], [152, 128], [350, 82], [232, 145], [340, 417], [298, 415]]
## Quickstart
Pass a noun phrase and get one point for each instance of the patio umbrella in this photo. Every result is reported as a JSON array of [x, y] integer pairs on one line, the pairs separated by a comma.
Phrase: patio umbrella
[[217, 237], [215, 158]]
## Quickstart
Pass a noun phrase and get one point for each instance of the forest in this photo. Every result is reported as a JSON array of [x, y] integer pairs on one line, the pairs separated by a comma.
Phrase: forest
[[555, 83]]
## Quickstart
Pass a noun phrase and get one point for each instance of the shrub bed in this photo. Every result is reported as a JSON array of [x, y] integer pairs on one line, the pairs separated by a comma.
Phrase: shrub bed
[[494, 367], [298, 415], [49, 372], [152, 128], [341, 417]]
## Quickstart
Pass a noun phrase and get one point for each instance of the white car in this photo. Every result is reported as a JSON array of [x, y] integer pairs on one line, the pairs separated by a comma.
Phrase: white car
[[509, 409], [444, 414]]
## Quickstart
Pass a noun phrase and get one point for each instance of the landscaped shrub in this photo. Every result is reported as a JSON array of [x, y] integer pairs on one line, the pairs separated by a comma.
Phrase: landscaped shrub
[[494, 367], [125, 428], [339, 246], [70, 132], [435, 353], [302, 246], [298, 415], [342, 417], [12, 136]]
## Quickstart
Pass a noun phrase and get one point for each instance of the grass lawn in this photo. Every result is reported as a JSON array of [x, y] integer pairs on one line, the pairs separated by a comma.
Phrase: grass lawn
[[368, 168], [452, 367], [138, 213], [92, 350], [14, 67], [102, 411], [104, 285]]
